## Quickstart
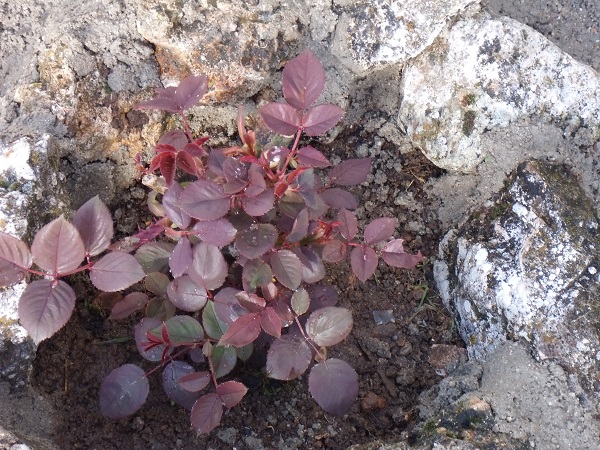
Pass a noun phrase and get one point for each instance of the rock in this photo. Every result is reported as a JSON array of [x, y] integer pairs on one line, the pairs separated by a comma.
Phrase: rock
[[485, 73], [372, 402], [446, 358], [526, 267]]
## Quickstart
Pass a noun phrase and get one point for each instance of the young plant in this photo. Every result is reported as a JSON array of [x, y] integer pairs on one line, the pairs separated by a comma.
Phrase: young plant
[[244, 250]]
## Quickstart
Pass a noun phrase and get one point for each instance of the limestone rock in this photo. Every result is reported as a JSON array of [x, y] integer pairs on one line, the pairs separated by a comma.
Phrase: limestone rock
[[485, 73], [526, 267]]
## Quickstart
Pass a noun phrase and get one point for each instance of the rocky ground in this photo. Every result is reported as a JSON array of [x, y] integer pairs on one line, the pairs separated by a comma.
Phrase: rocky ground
[[416, 359]]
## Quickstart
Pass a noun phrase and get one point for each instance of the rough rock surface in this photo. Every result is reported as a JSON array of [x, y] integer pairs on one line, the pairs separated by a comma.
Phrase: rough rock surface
[[526, 267], [485, 73]]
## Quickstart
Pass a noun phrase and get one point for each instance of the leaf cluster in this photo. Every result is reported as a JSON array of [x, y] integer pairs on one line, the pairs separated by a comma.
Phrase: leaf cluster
[[242, 256]]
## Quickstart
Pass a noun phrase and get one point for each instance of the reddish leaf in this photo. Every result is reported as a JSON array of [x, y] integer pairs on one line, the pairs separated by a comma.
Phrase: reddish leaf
[[94, 223], [270, 322], [143, 344], [14, 256], [204, 200], [131, 303], [311, 157], [206, 413], [186, 162], [259, 205], [168, 167], [256, 273], [251, 302], [243, 331], [123, 391], [339, 198], [227, 307], [351, 172], [300, 227], [347, 224], [209, 268], [280, 118], [181, 258], [334, 251], [57, 248], [171, 375], [186, 294], [283, 311], [256, 240], [45, 307], [394, 255], [287, 268], [190, 91], [303, 80], [379, 230], [288, 357], [115, 272], [364, 262], [329, 326], [231, 393], [334, 385], [218, 232], [170, 203], [321, 118], [194, 381], [313, 269]]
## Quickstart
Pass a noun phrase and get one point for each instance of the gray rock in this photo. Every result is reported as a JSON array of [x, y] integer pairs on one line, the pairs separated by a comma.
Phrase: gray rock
[[526, 267], [485, 73]]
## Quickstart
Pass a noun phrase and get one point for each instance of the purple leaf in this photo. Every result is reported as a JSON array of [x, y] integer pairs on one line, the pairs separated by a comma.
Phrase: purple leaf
[[300, 301], [204, 200], [206, 413], [270, 322], [321, 118], [123, 391], [243, 331], [45, 307], [259, 205], [288, 358], [94, 223], [283, 310], [311, 157], [175, 138], [251, 302], [141, 339], [115, 272], [209, 268], [303, 80], [256, 273], [194, 381], [190, 91], [257, 181], [185, 294], [334, 385], [334, 251], [172, 208], [339, 198], [348, 224], [231, 393], [363, 261], [227, 307], [14, 256], [216, 158], [223, 359], [57, 248], [329, 326], [154, 256], [256, 240], [214, 327], [235, 170], [350, 172], [161, 102], [131, 303], [300, 227], [218, 232], [321, 296], [171, 375], [394, 255], [379, 230], [313, 269], [287, 268], [280, 118], [181, 258]]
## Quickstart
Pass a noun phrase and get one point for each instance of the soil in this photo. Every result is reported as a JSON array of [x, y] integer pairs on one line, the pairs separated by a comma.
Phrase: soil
[[391, 359]]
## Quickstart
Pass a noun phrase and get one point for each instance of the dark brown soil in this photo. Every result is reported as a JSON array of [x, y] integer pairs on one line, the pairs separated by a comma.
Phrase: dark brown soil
[[391, 359]]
